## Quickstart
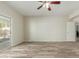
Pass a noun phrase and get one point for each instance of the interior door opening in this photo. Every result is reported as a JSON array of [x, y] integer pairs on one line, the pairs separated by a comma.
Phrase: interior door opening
[[77, 32]]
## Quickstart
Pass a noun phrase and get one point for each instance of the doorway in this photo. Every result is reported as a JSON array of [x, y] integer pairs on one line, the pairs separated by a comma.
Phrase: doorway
[[77, 32]]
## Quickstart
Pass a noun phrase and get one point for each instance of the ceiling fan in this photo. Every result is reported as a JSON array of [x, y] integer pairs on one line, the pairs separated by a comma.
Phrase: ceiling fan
[[47, 4]]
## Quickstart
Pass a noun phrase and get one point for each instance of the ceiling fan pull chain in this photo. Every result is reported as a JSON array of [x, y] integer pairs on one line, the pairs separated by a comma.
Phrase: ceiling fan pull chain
[[49, 8]]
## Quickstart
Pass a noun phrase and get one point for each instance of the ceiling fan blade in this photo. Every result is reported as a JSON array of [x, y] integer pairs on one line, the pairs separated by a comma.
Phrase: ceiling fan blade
[[40, 1], [49, 8], [40, 7], [55, 2]]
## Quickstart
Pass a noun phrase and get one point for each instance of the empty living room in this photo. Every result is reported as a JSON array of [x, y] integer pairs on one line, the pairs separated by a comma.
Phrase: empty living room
[[39, 29]]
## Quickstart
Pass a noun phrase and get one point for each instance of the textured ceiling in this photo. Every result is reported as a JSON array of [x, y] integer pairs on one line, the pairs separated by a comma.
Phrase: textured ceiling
[[29, 8]]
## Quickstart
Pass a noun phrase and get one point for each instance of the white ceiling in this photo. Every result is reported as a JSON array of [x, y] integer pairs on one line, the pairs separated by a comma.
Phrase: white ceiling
[[29, 8]]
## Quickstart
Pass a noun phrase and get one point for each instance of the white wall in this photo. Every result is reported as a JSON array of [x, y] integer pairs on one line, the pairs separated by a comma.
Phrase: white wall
[[16, 22], [51, 29]]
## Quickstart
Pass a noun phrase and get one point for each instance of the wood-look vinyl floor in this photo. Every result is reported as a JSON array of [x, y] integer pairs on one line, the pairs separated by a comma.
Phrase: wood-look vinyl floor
[[43, 50]]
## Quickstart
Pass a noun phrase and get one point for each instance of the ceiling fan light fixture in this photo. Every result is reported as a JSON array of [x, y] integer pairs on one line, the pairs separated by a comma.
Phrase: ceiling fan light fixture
[[44, 5], [47, 5]]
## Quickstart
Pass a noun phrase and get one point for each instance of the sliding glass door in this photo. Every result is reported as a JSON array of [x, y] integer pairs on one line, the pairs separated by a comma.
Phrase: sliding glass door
[[5, 32]]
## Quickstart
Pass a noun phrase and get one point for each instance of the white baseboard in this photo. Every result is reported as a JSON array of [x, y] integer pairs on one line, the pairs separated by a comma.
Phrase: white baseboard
[[50, 41]]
